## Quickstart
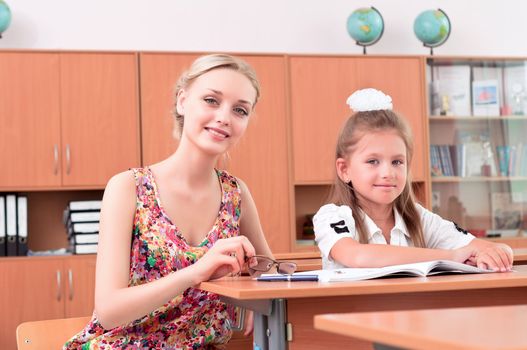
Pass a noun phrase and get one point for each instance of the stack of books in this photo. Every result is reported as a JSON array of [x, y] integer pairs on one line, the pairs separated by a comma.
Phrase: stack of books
[[82, 225]]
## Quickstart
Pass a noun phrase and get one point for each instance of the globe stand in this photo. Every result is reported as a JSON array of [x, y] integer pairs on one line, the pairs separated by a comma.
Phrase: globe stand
[[364, 45], [431, 49]]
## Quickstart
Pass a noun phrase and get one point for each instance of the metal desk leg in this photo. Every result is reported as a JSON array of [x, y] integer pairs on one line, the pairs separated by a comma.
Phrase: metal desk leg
[[260, 332], [276, 325], [263, 309]]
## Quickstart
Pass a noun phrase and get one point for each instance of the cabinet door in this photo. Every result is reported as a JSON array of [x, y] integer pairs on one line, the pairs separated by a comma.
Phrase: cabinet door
[[320, 87], [100, 120], [402, 79], [29, 120], [260, 158], [32, 290], [159, 74], [79, 274]]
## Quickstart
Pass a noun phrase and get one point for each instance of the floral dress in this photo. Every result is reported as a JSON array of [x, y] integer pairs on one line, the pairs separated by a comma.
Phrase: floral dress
[[193, 320]]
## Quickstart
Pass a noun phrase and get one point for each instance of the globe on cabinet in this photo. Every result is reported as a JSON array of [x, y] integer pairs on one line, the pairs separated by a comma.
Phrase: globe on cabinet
[[432, 28], [366, 26], [5, 17]]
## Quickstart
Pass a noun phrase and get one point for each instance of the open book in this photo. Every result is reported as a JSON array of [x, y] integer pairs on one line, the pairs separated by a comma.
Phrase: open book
[[426, 268]]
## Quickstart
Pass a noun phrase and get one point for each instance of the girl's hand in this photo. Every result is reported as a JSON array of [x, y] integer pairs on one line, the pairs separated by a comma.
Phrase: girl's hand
[[465, 255], [226, 256], [495, 256]]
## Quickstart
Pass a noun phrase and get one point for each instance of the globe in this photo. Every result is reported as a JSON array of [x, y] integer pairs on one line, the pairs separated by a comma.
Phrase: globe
[[432, 27], [365, 26], [5, 17]]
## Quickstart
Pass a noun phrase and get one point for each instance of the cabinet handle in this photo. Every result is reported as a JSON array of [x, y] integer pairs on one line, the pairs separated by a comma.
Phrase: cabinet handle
[[70, 281], [55, 159], [68, 159], [59, 289]]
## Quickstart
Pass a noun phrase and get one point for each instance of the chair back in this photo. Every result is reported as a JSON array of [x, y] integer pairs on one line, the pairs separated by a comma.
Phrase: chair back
[[48, 334]]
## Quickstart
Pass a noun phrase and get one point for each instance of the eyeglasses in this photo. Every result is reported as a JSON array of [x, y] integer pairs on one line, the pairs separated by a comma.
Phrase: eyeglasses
[[258, 264]]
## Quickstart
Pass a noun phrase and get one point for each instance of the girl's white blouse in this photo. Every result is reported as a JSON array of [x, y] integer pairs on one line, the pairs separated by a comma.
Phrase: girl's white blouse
[[438, 232]]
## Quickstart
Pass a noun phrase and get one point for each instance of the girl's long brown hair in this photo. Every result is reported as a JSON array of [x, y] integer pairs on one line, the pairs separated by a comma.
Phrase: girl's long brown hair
[[341, 193]]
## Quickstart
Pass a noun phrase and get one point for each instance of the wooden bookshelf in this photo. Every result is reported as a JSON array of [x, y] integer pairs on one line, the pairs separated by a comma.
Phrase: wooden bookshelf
[[500, 135]]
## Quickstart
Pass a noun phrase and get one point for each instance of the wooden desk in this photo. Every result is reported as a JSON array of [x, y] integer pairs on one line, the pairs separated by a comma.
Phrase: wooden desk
[[520, 256], [278, 304], [476, 328]]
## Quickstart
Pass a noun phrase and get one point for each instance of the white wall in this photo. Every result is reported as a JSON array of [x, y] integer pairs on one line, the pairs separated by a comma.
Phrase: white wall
[[482, 27]]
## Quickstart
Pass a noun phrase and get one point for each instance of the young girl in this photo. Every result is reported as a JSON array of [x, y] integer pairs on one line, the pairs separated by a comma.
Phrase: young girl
[[167, 227], [374, 220]]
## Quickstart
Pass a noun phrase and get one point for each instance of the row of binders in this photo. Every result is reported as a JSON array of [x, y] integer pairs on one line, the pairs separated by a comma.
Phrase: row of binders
[[13, 225], [81, 219]]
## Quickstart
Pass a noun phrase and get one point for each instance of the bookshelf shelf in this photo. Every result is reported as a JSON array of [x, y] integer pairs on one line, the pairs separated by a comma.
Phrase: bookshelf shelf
[[476, 118], [478, 151], [458, 179]]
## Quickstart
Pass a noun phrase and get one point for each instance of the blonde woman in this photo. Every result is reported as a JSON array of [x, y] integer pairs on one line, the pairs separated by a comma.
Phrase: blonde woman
[[169, 226]]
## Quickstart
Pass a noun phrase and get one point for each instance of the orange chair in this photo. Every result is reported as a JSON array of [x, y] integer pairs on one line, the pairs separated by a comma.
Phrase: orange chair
[[48, 334]]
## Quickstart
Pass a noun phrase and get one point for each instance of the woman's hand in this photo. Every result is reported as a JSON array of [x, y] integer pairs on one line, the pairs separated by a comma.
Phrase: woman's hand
[[226, 256], [249, 323]]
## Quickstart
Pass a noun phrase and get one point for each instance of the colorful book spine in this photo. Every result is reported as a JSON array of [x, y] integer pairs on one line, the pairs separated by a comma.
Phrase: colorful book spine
[[435, 162], [446, 160], [503, 159]]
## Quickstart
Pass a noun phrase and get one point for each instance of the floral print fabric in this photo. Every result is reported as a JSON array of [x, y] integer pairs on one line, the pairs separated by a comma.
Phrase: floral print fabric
[[193, 320]]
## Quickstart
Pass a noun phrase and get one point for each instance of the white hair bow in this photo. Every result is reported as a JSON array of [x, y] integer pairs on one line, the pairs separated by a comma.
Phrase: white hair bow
[[369, 100]]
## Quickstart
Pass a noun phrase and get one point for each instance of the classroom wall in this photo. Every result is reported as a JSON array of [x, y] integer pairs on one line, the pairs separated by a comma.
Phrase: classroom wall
[[483, 27]]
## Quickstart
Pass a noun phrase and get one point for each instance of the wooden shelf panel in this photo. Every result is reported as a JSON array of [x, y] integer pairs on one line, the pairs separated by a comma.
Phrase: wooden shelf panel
[[477, 118], [445, 179]]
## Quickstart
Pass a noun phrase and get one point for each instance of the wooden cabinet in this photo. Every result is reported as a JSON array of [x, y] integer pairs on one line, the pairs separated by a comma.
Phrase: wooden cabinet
[[79, 286], [261, 157], [30, 119], [158, 76], [320, 87], [67, 119], [42, 288], [403, 79], [70, 120], [100, 116]]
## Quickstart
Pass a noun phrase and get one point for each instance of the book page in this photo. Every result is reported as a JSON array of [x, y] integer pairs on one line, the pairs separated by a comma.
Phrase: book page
[[446, 266], [416, 269], [357, 274]]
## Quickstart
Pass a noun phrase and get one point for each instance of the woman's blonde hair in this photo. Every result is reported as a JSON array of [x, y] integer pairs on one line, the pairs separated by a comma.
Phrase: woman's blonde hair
[[342, 193], [206, 64]]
